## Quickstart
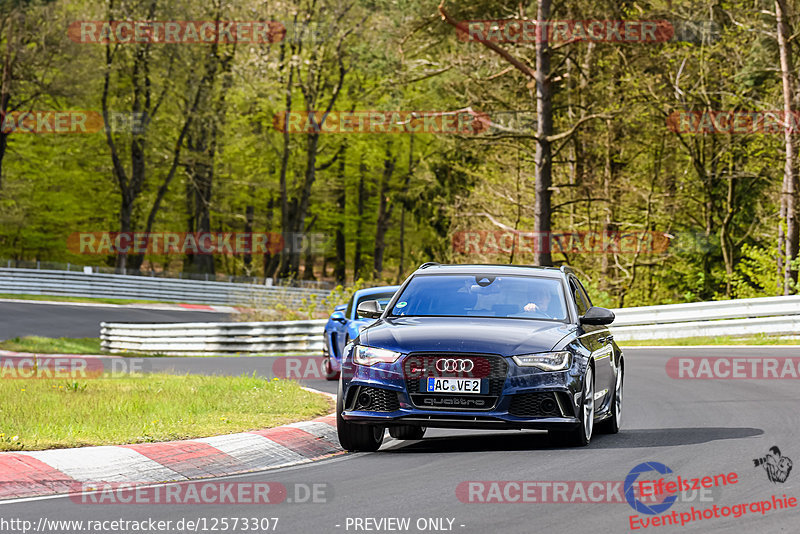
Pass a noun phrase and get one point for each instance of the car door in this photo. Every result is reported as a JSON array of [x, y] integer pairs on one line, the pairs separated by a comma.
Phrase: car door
[[339, 331], [597, 339]]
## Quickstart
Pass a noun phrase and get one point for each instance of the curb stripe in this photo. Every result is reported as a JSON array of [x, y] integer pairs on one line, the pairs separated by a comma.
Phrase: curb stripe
[[299, 441], [189, 458], [253, 451], [24, 476], [319, 429], [106, 464], [55, 471]]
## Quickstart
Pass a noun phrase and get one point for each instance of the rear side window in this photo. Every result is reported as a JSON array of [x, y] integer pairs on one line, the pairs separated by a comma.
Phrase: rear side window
[[579, 296], [584, 293]]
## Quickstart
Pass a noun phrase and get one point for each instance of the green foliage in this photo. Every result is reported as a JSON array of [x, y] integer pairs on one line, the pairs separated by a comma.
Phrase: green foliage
[[715, 195]]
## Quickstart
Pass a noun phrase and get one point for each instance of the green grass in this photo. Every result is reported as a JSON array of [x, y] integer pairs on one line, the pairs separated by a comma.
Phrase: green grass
[[47, 413], [722, 340], [48, 345], [64, 298]]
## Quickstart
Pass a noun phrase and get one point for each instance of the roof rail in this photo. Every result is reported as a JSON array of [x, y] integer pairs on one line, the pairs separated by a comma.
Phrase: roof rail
[[429, 264], [567, 269]]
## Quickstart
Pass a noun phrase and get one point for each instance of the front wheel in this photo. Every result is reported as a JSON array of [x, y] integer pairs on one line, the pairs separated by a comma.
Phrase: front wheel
[[613, 423], [355, 437], [582, 434]]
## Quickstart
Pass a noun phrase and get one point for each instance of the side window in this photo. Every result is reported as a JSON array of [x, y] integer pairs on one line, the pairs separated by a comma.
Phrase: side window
[[349, 309], [584, 293], [578, 297]]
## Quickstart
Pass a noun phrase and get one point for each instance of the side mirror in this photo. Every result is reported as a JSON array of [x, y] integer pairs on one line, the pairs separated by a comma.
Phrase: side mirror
[[597, 316], [371, 309], [338, 317]]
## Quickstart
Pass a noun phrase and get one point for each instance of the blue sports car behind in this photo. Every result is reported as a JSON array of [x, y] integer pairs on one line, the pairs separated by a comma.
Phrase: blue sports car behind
[[345, 324], [486, 347]]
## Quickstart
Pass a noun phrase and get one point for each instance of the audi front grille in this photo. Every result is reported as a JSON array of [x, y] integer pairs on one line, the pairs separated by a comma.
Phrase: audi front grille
[[418, 366]]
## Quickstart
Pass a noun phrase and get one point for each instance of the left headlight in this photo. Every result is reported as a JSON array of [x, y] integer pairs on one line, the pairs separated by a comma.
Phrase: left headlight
[[372, 355], [547, 361]]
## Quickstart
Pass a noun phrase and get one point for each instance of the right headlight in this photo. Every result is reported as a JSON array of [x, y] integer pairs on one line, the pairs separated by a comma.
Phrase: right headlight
[[547, 361], [372, 355]]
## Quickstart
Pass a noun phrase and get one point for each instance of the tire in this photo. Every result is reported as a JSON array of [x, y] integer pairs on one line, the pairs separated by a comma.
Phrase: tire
[[407, 432], [581, 435], [356, 437], [613, 423]]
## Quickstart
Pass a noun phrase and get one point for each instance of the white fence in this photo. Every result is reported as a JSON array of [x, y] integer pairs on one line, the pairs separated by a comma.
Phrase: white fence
[[746, 317], [120, 286], [215, 338], [734, 318]]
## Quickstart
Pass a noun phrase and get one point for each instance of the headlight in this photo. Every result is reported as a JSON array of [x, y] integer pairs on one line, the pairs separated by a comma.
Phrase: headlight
[[371, 355], [547, 361]]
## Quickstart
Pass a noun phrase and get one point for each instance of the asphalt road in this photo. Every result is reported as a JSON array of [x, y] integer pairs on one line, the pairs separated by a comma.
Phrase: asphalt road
[[696, 427], [63, 320]]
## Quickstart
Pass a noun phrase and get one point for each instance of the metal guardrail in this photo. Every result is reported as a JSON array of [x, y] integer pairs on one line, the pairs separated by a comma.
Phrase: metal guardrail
[[120, 286], [215, 338], [745, 317], [734, 318], [319, 285]]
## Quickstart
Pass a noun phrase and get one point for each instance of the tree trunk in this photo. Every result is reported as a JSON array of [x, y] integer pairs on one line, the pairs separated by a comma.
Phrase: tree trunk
[[789, 188], [298, 218], [384, 213], [340, 267], [5, 95], [271, 261], [201, 146], [362, 170], [249, 215], [724, 237], [404, 200], [285, 223], [544, 128]]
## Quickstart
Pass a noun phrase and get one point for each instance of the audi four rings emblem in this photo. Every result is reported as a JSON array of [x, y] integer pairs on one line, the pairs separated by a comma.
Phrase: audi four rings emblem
[[448, 365]]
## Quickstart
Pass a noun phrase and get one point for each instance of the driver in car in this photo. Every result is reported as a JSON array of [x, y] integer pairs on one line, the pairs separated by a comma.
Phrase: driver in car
[[539, 302]]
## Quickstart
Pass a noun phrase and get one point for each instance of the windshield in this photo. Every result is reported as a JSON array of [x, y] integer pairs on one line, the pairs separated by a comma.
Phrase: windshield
[[382, 298], [464, 295]]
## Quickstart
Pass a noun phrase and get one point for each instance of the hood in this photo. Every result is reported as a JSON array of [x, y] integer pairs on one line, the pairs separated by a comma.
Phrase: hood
[[507, 337]]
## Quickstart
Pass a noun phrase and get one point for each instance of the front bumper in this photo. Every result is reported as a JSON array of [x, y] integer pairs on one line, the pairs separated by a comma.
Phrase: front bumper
[[518, 398]]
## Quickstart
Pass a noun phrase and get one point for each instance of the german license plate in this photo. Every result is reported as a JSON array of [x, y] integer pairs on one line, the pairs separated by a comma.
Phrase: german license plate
[[452, 385]]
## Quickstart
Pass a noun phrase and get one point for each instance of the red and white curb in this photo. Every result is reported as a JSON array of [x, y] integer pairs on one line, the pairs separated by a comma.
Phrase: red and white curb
[[49, 472]]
